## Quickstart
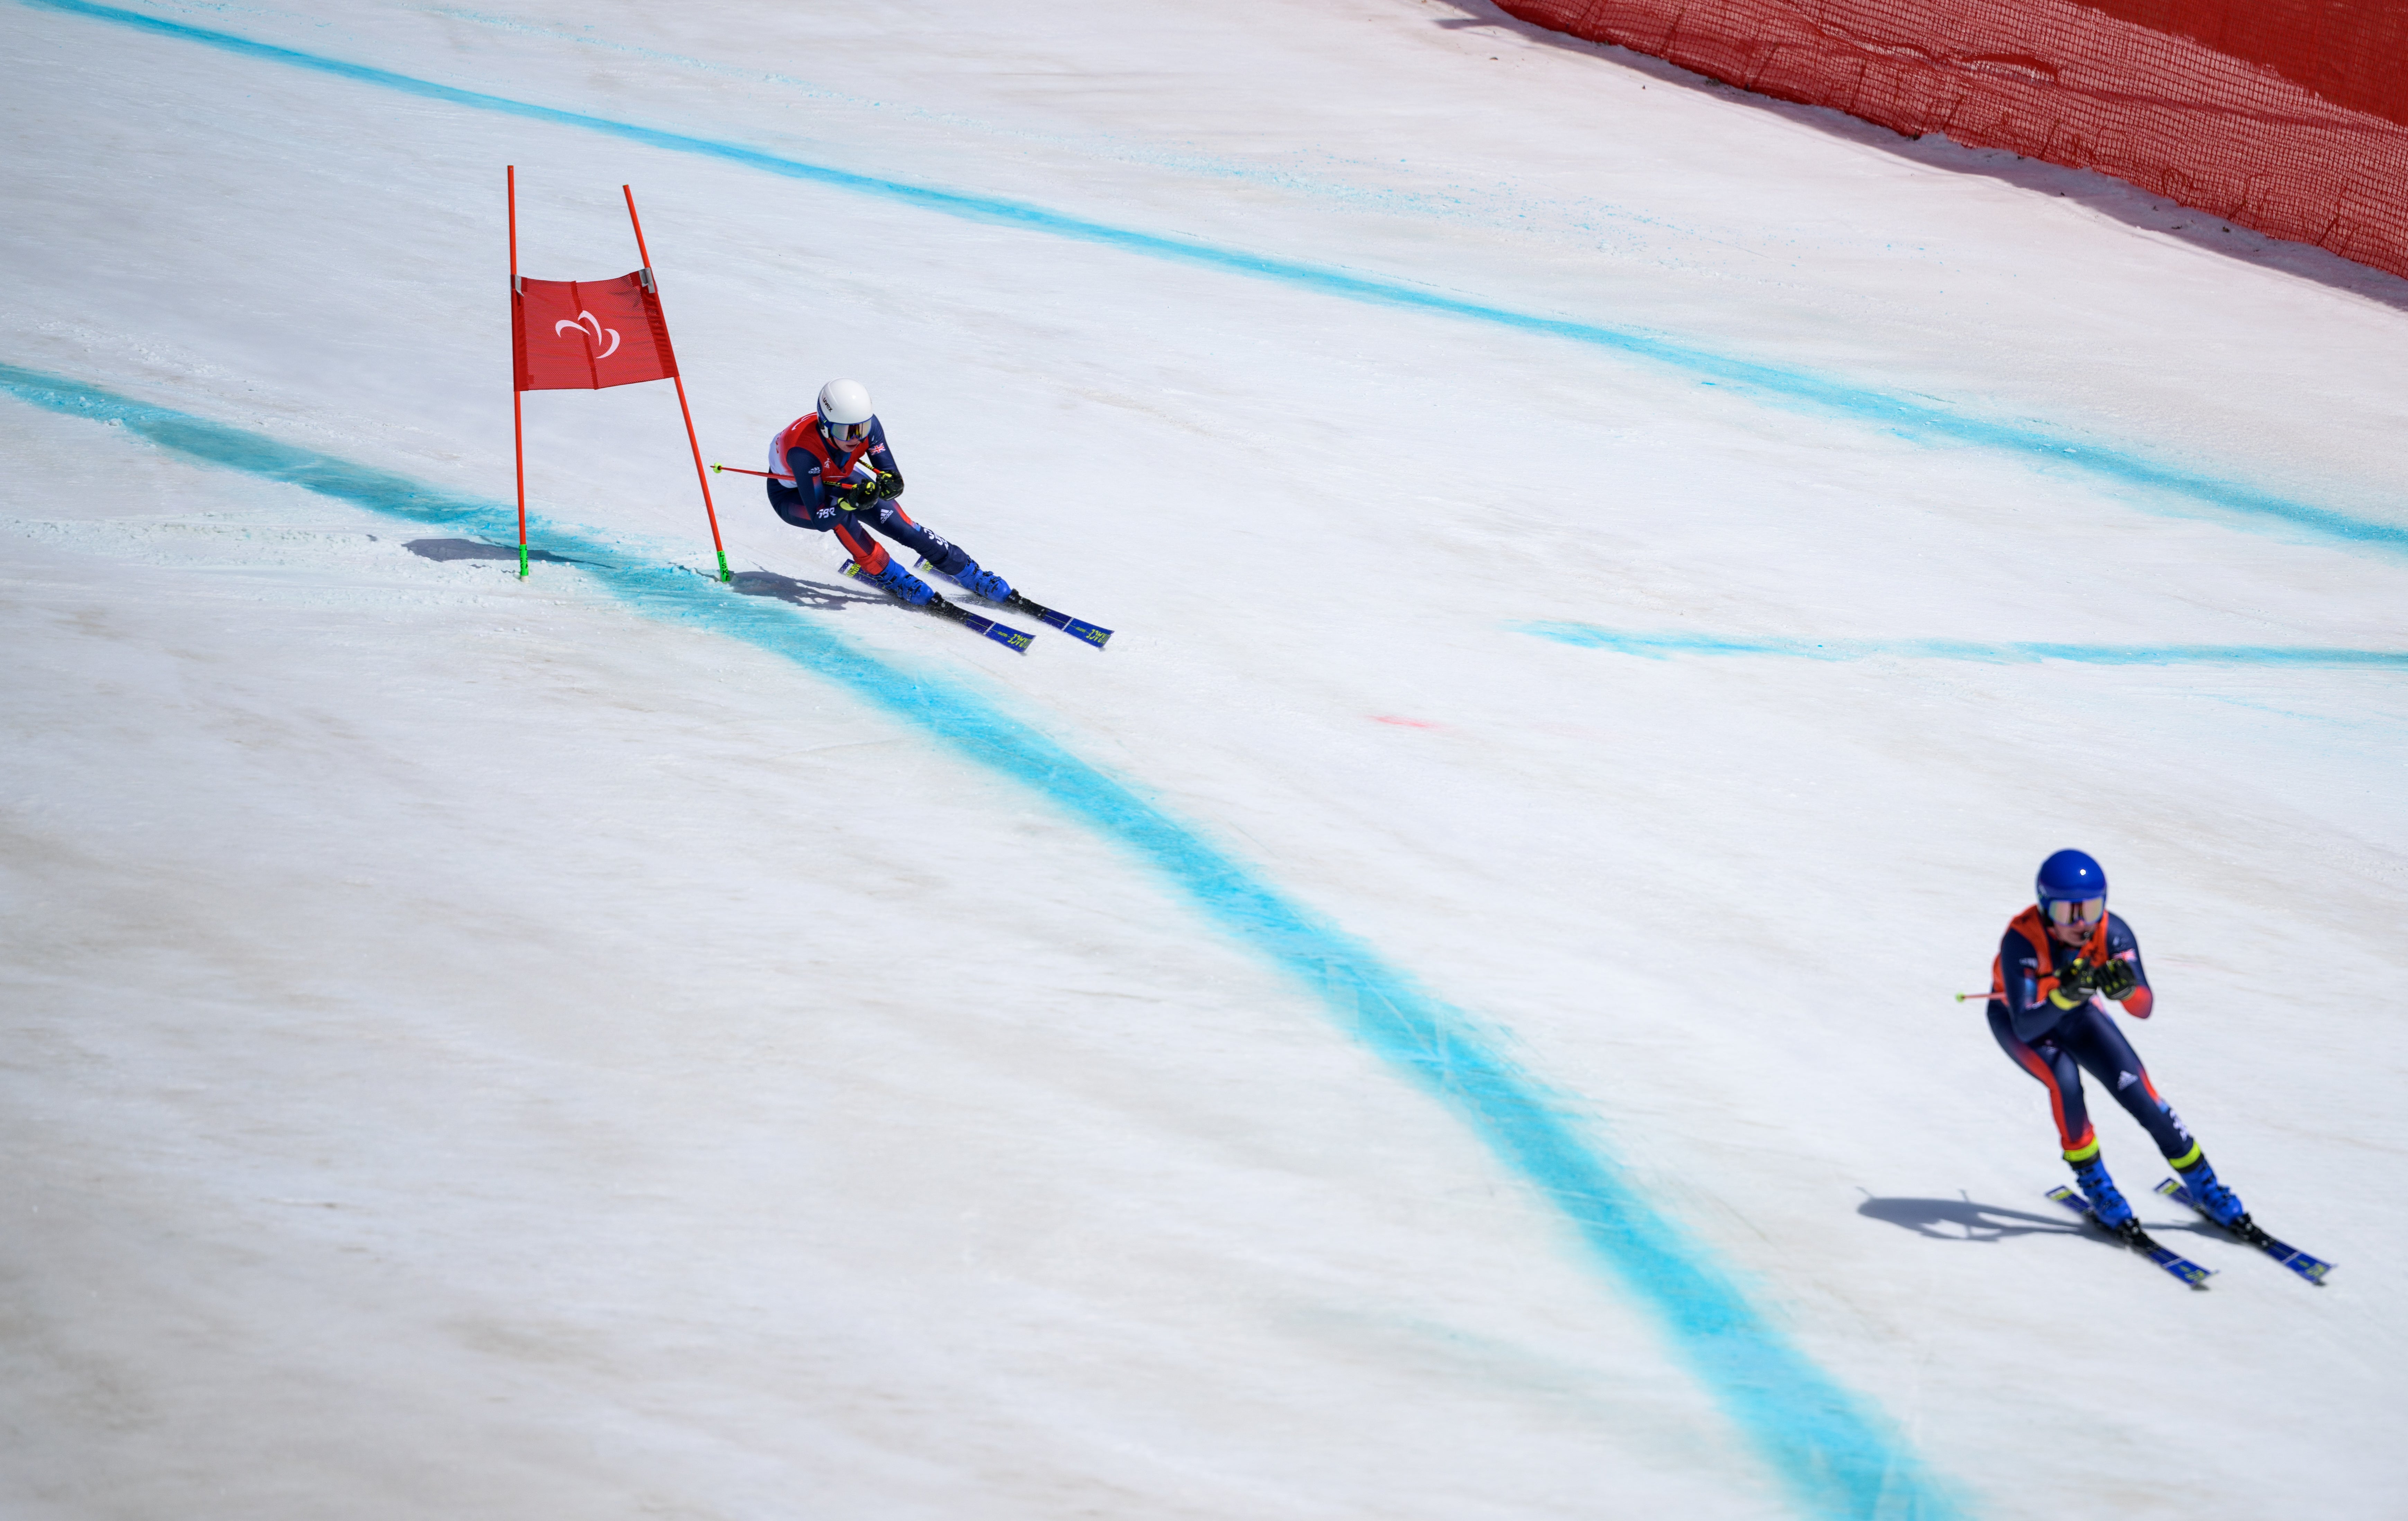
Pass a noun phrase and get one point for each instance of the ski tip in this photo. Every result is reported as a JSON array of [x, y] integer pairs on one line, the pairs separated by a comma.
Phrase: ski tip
[[1016, 640], [2310, 1268]]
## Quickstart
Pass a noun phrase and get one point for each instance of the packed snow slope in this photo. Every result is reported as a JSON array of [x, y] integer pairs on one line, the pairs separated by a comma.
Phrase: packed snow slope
[[1449, 1015]]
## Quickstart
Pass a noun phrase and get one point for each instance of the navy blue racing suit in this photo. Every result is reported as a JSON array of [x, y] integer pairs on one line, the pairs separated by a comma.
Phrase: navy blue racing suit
[[2055, 1044], [808, 500]]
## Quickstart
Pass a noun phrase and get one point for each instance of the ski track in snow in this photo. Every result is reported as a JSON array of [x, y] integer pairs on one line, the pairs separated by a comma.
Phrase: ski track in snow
[[1910, 418], [1497, 207], [1839, 1456], [1631, 641]]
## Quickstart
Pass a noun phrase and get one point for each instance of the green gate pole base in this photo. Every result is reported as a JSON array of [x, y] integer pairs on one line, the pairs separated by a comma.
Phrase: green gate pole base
[[522, 562], [724, 574]]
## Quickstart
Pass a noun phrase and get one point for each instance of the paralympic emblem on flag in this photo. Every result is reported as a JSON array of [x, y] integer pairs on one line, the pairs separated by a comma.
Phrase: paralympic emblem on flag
[[584, 320]]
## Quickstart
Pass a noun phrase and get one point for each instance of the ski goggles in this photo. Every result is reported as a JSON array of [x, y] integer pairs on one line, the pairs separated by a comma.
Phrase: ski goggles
[[2076, 910], [847, 433]]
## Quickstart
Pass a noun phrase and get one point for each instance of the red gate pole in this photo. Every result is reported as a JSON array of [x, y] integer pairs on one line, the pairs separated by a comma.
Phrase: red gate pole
[[518, 423], [679, 381]]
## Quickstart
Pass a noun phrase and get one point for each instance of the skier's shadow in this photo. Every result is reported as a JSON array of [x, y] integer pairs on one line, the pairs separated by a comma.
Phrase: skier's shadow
[[1973, 1222], [802, 593], [469, 549]]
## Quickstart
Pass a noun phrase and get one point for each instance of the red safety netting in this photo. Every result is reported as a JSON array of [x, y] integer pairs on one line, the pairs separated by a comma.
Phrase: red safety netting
[[2289, 116]]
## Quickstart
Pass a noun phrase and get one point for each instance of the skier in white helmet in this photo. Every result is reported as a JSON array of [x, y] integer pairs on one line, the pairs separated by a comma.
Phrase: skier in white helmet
[[830, 470]]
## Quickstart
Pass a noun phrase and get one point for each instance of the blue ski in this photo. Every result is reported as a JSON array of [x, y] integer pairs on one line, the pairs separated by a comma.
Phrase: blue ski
[[2183, 1267], [2311, 1269], [1015, 640], [1078, 628]]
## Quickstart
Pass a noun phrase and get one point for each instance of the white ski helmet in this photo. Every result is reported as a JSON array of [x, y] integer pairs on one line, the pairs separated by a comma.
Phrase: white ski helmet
[[844, 411]]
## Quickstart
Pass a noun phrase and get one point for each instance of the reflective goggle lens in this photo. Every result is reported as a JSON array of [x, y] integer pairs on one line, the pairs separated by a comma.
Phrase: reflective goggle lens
[[2076, 911], [852, 433]]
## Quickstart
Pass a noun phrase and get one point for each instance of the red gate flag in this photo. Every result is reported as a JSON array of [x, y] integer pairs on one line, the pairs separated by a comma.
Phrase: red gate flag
[[583, 335]]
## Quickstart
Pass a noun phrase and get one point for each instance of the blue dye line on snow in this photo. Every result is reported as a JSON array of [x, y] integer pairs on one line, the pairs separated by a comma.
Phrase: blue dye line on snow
[[1837, 1454], [1912, 418], [1657, 646]]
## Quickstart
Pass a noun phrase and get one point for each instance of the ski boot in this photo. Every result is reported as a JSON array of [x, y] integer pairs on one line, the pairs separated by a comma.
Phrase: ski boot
[[2107, 1205], [2218, 1202], [986, 583], [904, 585]]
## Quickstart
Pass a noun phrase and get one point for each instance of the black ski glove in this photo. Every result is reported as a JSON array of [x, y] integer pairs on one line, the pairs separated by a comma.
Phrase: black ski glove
[[2117, 979], [859, 494], [2075, 984], [890, 485]]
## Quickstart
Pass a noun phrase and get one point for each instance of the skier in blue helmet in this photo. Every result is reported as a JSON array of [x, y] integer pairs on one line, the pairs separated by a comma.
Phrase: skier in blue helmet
[[2057, 963]]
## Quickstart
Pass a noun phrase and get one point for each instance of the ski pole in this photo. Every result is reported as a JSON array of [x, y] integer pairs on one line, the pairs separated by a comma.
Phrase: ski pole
[[1963, 997], [740, 470], [651, 288]]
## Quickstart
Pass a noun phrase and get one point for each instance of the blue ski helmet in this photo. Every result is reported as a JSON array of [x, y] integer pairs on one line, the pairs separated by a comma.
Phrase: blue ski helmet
[[2071, 888]]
